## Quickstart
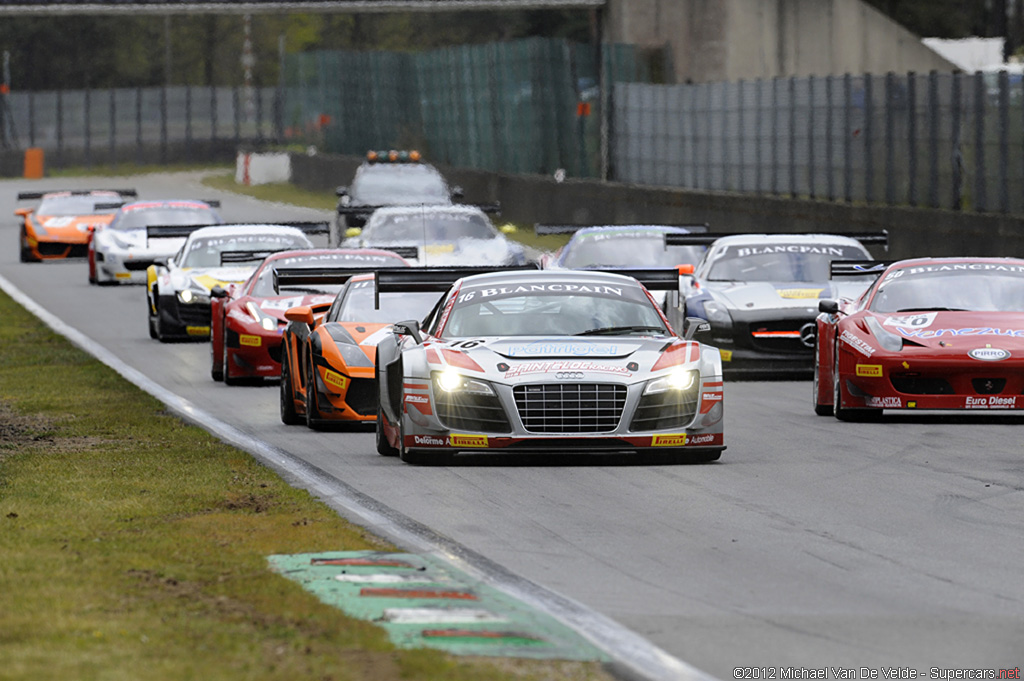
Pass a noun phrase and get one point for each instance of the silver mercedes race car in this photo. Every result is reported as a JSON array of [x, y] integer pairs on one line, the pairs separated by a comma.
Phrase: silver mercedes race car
[[760, 292], [545, 362]]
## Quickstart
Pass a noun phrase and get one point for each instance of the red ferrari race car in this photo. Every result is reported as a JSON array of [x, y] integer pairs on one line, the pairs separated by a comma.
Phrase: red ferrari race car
[[59, 227], [328, 373], [247, 320], [929, 333]]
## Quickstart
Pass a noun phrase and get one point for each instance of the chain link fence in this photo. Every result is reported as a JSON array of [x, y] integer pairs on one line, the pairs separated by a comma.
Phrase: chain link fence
[[953, 141]]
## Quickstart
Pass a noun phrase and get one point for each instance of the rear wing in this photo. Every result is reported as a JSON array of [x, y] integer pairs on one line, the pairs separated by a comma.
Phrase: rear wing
[[173, 231], [418, 279], [857, 268], [287, 277], [866, 238], [112, 205], [359, 210], [542, 229], [35, 196], [401, 251], [232, 257]]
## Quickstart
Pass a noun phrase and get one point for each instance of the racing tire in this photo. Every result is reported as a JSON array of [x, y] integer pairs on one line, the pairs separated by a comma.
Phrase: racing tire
[[24, 252], [154, 320], [845, 413], [215, 374], [226, 367], [289, 416], [312, 422], [384, 447], [92, 268], [819, 408]]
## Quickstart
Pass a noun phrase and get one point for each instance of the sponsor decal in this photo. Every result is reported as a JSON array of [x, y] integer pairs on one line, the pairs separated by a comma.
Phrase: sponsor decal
[[468, 440], [418, 399], [572, 367], [872, 370], [858, 344], [541, 288], [438, 249], [790, 248], [705, 439], [911, 321], [251, 341], [57, 222], [123, 275], [911, 405], [726, 355], [711, 397], [336, 380], [799, 293], [562, 349], [990, 402], [197, 330], [885, 402], [989, 354], [965, 267], [978, 331], [672, 440], [430, 441]]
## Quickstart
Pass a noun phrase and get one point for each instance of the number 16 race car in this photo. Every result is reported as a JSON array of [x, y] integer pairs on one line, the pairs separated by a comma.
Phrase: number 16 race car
[[929, 333], [542, 362]]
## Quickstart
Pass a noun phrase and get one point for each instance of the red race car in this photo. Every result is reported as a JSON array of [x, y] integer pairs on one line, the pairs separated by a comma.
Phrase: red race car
[[59, 227], [247, 320], [328, 375], [929, 333]]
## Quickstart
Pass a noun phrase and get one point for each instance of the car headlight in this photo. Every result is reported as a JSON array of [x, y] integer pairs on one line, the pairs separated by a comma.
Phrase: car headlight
[[677, 379], [192, 296], [887, 339], [717, 313], [262, 318], [451, 381]]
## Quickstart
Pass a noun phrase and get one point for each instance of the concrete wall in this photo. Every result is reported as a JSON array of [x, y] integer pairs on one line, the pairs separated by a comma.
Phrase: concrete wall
[[715, 40], [527, 199]]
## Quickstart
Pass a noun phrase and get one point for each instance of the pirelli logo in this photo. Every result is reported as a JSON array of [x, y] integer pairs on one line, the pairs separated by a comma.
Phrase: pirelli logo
[[123, 275], [874, 370], [469, 440], [251, 341], [336, 380], [197, 330], [673, 440]]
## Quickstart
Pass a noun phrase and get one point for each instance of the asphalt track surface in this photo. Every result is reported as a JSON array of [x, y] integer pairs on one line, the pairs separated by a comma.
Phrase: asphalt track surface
[[811, 544]]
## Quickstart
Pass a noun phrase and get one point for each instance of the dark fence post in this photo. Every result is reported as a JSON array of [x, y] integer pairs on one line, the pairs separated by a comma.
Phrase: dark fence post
[[213, 114], [31, 119], [890, 152], [163, 125], [775, 135], [238, 115], [830, 180], [259, 116], [188, 122], [138, 125], [792, 136], [912, 138], [811, 190], [847, 138], [869, 131], [60, 129], [933, 139], [113, 127], [758, 136], [980, 188], [957, 158], [87, 115], [1004, 142]]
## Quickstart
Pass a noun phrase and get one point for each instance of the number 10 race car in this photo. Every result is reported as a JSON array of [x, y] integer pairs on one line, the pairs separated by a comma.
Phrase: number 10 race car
[[930, 333], [544, 362]]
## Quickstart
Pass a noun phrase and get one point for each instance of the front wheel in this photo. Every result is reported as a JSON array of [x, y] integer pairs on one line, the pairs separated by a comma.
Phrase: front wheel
[[819, 408], [384, 447], [288, 414], [225, 366], [24, 252], [312, 420], [154, 319], [845, 413]]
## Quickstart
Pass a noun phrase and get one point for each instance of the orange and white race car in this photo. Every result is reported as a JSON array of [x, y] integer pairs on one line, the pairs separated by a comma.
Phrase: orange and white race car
[[60, 226]]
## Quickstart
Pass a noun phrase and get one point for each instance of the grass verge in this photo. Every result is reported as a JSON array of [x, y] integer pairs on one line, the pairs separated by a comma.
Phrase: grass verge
[[133, 544]]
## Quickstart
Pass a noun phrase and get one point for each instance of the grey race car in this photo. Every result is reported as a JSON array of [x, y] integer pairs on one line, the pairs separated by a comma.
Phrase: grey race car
[[545, 362]]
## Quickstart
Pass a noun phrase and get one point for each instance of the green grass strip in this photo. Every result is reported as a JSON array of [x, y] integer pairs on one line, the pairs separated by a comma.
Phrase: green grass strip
[[134, 545]]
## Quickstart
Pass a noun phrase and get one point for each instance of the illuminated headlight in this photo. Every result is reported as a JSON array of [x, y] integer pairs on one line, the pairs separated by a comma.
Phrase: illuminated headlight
[[185, 296], [452, 381], [717, 313], [266, 321], [677, 379], [887, 339], [191, 296]]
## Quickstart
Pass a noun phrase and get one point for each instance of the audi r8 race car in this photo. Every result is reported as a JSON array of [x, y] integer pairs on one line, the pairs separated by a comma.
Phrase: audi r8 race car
[[389, 178], [59, 226], [443, 235], [178, 291], [554, 362], [122, 250], [760, 294], [929, 333], [626, 246], [248, 320], [328, 374]]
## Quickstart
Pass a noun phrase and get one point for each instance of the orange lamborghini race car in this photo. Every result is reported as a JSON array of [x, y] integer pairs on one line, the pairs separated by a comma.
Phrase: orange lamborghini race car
[[59, 227]]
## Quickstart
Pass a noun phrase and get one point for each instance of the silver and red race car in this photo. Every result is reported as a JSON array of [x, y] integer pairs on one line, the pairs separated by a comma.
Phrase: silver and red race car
[[929, 333], [545, 362]]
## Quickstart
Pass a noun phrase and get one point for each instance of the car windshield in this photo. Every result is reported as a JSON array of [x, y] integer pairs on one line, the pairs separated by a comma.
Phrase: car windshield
[[627, 249], [164, 215], [777, 262], [549, 307], [205, 251], [263, 287], [358, 305], [937, 287], [427, 225], [390, 185], [76, 205]]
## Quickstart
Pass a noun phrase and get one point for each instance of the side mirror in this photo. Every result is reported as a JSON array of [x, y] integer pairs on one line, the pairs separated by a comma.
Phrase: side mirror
[[353, 232], [23, 212], [218, 291], [694, 325], [828, 306], [341, 191], [456, 192], [303, 313], [408, 328]]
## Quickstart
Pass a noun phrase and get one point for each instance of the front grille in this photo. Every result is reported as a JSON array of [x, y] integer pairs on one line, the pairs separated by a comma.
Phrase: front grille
[[920, 385], [361, 395], [570, 407], [664, 410], [136, 265], [274, 350], [988, 386], [470, 411], [194, 315], [789, 338], [50, 248]]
